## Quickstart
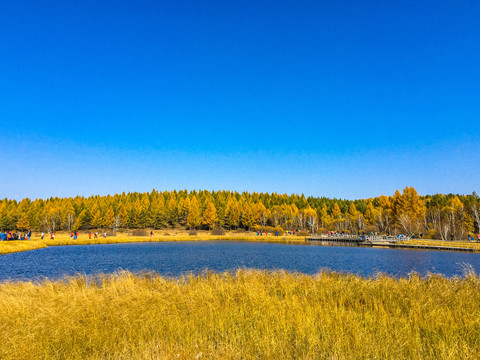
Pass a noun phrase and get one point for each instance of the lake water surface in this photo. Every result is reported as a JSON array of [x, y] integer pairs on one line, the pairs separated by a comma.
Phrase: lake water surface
[[177, 258]]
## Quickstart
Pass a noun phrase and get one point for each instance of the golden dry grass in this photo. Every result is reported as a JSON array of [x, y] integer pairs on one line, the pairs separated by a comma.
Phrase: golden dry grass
[[7, 247], [246, 315]]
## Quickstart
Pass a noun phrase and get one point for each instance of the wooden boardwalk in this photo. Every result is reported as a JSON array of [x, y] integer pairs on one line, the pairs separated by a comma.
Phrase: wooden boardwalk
[[347, 238], [424, 247], [380, 241]]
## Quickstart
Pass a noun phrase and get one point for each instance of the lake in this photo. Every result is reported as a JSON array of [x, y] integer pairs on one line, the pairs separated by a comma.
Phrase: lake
[[177, 258]]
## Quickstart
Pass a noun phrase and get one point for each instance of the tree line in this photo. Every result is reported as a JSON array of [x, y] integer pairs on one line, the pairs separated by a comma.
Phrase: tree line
[[434, 216]]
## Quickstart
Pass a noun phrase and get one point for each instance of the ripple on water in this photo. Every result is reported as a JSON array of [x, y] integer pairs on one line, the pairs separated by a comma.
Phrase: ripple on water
[[177, 258]]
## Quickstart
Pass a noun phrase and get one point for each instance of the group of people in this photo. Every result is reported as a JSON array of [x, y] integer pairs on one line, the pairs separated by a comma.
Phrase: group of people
[[287, 232], [10, 235], [471, 237], [95, 235], [52, 235]]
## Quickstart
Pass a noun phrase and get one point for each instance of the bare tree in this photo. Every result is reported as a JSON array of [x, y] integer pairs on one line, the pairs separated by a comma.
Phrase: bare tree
[[434, 216], [312, 222], [383, 221], [301, 220], [70, 220], [45, 222], [263, 218], [276, 215], [476, 214], [360, 222], [444, 229], [116, 223], [406, 223]]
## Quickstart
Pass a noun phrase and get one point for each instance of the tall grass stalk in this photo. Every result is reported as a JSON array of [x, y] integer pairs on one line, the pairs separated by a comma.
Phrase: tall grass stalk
[[249, 314]]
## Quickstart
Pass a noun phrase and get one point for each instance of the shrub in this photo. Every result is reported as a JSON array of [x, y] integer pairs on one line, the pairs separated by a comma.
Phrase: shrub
[[240, 230], [370, 229], [280, 231], [258, 228], [303, 233], [218, 231], [192, 232], [269, 229], [139, 232]]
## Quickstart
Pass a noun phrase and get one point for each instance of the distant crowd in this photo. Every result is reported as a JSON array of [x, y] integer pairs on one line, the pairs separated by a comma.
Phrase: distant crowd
[[276, 233], [10, 235]]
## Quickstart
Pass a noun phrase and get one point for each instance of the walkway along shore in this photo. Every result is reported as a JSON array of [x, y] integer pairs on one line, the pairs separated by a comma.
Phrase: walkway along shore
[[380, 241], [7, 247]]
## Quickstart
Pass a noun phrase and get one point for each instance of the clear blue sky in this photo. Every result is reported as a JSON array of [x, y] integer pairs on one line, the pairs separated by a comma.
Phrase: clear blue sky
[[347, 99]]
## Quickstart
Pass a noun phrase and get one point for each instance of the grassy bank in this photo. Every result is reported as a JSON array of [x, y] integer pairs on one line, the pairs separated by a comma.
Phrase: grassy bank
[[64, 239], [247, 315], [170, 235], [7, 247]]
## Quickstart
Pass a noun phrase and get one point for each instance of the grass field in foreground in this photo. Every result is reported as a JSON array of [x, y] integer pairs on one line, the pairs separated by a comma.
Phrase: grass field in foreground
[[245, 315], [64, 239]]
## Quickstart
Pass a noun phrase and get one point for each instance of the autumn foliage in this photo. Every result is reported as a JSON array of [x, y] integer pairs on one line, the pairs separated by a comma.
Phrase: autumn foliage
[[440, 216]]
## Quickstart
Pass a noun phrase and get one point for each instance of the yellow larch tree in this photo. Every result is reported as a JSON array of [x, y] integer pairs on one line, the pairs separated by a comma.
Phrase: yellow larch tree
[[325, 219], [194, 216], [408, 210], [248, 216], [352, 215], [209, 218], [23, 223], [371, 214], [261, 214], [232, 213], [97, 220], [109, 218]]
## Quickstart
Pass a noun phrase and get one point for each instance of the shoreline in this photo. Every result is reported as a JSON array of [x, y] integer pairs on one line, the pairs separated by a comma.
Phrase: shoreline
[[413, 244], [10, 247]]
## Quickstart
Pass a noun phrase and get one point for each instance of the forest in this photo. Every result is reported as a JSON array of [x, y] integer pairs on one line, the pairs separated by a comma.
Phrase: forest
[[437, 216]]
